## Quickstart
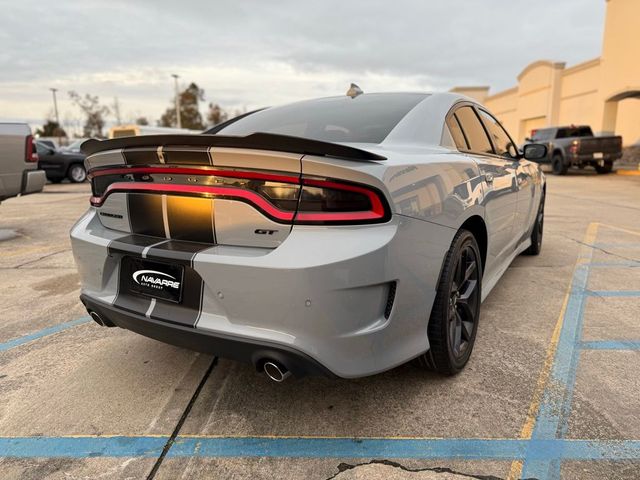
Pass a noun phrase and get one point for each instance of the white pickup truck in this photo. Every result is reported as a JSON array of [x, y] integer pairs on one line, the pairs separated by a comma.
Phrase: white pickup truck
[[19, 174]]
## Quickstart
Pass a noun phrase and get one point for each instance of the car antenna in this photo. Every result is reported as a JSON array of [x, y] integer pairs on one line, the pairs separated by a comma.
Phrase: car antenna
[[354, 91]]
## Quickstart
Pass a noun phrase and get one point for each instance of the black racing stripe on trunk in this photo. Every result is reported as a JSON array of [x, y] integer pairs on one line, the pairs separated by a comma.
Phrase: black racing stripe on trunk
[[131, 244], [140, 156], [183, 253], [190, 218], [176, 251], [145, 214], [186, 155]]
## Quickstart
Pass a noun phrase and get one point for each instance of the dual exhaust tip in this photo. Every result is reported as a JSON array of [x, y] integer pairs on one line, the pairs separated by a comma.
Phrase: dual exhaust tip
[[276, 372]]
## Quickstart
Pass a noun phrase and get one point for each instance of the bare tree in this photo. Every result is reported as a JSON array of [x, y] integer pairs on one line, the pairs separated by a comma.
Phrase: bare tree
[[93, 111], [190, 115], [216, 115]]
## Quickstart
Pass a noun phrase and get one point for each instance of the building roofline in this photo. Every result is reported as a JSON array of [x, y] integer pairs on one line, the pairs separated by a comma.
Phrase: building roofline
[[540, 63]]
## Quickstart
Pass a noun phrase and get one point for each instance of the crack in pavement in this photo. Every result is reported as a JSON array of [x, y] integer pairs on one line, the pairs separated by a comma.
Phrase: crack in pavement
[[343, 467], [41, 258], [600, 249]]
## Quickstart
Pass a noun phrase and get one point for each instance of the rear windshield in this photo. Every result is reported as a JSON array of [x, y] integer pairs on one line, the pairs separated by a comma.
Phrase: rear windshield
[[574, 132], [364, 119]]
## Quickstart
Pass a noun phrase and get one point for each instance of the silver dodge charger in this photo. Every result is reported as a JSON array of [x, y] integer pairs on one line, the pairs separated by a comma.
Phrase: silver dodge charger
[[339, 236]]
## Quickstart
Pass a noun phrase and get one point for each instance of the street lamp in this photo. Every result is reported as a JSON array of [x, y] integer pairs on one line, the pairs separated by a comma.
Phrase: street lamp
[[175, 77], [55, 109]]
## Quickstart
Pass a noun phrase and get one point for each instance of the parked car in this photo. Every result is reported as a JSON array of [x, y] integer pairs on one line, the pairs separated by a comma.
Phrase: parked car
[[19, 174], [74, 146], [60, 164], [339, 236], [576, 146]]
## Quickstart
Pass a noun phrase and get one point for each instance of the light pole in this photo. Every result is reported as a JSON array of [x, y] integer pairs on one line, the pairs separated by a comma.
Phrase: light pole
[[175, 77], [55, 109]]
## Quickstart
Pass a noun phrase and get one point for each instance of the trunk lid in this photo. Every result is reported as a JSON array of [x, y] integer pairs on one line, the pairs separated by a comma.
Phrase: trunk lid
[[196, 194], [204, 189]]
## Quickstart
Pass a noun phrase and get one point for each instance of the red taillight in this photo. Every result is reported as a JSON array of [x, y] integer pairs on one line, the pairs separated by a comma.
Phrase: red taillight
[[31, 155], [573, 148], [283, 198], [333, 202]]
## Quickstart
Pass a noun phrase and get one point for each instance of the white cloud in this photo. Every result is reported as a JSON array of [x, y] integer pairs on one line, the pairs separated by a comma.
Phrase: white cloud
[[255, 53]]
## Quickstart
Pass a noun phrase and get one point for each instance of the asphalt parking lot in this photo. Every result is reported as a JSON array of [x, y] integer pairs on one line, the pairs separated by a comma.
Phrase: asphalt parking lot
[[551, 390]]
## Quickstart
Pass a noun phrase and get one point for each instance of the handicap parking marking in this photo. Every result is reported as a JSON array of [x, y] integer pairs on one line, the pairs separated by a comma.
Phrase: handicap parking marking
[[45, 332], [552, 417]]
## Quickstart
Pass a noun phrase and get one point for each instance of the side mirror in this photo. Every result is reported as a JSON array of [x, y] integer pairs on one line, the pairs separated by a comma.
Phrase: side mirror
[[534, 151], [51, 151]]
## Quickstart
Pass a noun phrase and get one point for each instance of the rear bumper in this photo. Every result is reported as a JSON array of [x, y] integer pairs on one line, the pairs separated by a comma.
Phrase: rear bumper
[[322, 294], [589, 159], [226, 346], [33, 181]]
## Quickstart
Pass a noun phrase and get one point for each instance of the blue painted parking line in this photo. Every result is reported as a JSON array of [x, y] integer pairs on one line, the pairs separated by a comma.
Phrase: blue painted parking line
[[613, 293], [551, 421], [320, 447], [16, 342], [611, 345]]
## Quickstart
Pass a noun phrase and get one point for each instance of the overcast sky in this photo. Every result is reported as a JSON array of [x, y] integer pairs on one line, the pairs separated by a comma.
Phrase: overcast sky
[[266, 52]]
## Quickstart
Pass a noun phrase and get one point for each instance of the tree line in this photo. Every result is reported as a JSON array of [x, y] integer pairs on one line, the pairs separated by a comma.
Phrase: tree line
[[95, 113]]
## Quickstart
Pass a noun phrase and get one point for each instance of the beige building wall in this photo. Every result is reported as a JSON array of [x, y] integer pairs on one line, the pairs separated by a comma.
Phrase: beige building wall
[[603, 92]]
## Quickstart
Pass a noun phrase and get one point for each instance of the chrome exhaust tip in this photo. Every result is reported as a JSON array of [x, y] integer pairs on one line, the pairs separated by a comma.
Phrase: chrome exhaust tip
[[96, 318], [275, 372]]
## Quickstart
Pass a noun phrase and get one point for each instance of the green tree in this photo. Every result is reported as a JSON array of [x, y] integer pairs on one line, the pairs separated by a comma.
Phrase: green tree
[[216, 115], [51, 129], [93, 111], [190, 116], [142, 121]]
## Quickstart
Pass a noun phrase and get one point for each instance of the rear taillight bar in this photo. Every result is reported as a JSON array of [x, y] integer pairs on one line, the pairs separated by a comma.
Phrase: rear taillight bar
[[328, 201], [30, 154]]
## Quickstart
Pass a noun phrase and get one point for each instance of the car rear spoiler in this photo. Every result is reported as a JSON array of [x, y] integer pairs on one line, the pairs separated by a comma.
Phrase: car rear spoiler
[[255, 141]]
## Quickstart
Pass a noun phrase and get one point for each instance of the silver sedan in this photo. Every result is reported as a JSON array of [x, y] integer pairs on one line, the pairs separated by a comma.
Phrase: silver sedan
[[340, 236]]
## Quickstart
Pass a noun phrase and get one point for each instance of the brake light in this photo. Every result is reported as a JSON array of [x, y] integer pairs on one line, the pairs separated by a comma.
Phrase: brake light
[[31, 155], [573, 148], [331, 202], [283, 198]]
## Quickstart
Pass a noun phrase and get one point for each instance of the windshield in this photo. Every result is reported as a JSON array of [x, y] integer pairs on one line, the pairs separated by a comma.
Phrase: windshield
[[364, 119]]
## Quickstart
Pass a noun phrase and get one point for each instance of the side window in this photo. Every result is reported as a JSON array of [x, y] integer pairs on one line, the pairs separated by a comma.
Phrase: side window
[[501, 141], [473, 131], [456, 133]]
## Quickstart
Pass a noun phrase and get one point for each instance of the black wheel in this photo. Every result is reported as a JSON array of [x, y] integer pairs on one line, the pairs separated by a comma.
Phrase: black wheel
[[456, 310], [536, 233], [77, 173], [558, 164], [606, 168]]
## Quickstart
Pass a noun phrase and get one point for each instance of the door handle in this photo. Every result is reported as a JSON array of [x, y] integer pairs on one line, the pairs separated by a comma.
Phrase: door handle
[[488, 177]]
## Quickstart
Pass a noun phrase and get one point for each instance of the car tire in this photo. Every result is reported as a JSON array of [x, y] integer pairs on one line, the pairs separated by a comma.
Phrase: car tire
[[606, 168], [77, 173], [456, 310], [558, 165], [538, 230]]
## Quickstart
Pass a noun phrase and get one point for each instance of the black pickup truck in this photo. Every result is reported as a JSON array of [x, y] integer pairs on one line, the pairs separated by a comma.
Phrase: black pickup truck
[[576, 146]]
